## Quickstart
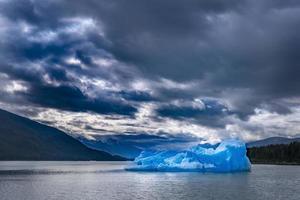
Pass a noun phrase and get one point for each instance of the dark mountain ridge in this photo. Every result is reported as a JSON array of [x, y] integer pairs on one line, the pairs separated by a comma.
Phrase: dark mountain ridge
[[24, 139], [272, 141]]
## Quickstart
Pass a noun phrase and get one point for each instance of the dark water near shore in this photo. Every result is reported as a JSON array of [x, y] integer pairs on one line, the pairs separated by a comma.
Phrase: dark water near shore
[[108, 180]]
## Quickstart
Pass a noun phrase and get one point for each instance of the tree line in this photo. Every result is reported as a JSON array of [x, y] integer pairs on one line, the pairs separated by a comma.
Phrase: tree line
[[275, 154]]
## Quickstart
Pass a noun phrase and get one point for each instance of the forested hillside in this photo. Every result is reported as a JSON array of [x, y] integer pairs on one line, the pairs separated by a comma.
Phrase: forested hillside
[[276, 154]]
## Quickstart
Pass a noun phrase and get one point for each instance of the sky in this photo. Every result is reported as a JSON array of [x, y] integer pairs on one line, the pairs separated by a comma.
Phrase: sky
[[213, 69]]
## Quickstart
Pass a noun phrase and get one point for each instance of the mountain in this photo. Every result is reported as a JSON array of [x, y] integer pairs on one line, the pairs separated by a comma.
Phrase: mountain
[[131, 145], [24, 139], [113, 145], [272, 141]]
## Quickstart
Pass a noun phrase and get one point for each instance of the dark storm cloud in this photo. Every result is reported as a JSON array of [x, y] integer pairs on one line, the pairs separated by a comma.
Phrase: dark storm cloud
[[250, 45], [64, 96], [243, 51], [245, 45], [37, 57], [139, 96], [211, 114], [72, 99]]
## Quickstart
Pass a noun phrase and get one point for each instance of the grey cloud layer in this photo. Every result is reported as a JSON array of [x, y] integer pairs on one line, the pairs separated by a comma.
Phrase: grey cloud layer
[[114, 57]]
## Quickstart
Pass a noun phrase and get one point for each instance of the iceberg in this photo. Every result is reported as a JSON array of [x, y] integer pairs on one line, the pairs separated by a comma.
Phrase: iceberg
[[228, 156]]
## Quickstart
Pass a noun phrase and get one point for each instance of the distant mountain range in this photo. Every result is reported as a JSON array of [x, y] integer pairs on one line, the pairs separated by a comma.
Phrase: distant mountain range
[[130, 146], [24, 139], [272, 140]]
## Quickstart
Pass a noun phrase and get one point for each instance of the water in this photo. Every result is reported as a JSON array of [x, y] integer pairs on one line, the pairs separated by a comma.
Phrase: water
[[108, 180]]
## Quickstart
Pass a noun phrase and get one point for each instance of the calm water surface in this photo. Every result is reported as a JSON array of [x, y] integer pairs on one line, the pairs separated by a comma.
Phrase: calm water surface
[[108, 180]]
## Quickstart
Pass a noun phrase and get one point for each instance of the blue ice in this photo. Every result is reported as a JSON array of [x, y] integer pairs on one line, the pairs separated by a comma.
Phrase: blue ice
[[228, 156]]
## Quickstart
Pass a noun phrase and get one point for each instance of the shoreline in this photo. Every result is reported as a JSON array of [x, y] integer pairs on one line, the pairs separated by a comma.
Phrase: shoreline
[[275, 163]]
